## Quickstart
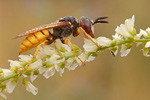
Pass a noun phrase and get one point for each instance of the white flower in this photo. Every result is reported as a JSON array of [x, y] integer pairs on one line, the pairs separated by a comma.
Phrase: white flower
[[89, 46], [33, 77], [36, 65], [45, 50], [129, 23], [143, 33], [138, 36], [14, 63], [54, 59], [124, 51], [90, 58], [7, 72], [68, 51], [103, 41], [117, 37], [148, 30], [122, 30], [67, 48], [1, 94], [147, 45], [71, 64], [126, 29], [42, 70], [83, 57], [58, 66], [145, 52], [25, 58], [59, 69], [31, 88], [49, 72], [10, 85]]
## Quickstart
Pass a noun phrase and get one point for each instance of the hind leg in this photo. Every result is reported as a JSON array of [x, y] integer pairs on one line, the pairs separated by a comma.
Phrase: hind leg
[[35, 54]]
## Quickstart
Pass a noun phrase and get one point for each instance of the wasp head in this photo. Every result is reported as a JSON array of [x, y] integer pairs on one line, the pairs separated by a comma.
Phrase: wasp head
[[87, 24]]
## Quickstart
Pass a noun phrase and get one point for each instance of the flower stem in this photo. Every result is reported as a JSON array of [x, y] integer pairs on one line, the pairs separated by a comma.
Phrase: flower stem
[[8, 77], [142, 40], [124, 42]]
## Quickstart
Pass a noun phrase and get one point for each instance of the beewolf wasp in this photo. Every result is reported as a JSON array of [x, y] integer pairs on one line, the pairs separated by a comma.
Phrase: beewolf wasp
[[63, 27]]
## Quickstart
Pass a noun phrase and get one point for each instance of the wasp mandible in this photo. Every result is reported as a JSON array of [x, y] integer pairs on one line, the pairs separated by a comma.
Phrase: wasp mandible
[[63, 27]]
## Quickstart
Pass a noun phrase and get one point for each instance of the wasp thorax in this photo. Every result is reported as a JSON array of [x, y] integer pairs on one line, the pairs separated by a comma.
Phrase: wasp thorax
[[86, 24]]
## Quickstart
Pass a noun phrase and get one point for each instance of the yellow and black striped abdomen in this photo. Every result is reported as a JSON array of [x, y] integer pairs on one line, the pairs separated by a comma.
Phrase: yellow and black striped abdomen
[[33, 40]]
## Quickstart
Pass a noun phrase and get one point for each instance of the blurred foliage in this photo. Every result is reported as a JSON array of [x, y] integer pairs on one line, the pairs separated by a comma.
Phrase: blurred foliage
[[106, 78]]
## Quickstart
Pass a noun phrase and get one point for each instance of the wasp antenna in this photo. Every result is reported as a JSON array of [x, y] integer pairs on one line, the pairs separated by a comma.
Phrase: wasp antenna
[[99, 20]]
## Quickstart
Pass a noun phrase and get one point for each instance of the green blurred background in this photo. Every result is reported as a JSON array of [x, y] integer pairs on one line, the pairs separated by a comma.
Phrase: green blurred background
[[107, 77]]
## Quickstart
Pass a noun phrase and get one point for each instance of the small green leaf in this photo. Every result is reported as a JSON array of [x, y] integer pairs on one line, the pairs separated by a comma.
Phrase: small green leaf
[[62, 65], [62, 49], [35, 72], [24, 82], [28, 71], [134, 31], [1, 71], [2, 86], [23, 64]]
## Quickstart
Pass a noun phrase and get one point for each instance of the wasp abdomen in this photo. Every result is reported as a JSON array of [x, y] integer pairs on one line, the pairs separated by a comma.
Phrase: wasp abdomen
[[33, 40]]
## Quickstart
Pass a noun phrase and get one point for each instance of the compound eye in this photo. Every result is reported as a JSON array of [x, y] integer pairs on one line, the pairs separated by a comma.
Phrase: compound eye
[[86, 24]]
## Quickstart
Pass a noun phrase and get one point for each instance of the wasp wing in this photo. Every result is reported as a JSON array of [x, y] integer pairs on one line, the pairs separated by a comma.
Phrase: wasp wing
[[43, 27]]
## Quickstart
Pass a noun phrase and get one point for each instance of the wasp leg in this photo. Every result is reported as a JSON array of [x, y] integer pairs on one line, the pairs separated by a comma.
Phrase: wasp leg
[[67, 40], [35, 54], [55, 43], [86, 35]]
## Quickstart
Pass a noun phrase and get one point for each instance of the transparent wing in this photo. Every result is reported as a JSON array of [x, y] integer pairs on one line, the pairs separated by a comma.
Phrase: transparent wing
[[43, 27]]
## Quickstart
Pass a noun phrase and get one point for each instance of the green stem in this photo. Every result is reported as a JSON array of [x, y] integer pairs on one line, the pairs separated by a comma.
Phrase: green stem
[[101, 48], [8, 77], [124, 42], [142, 40]]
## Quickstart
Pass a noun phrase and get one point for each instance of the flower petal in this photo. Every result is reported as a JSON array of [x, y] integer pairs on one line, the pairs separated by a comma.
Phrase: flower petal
[[71, 64], [89, 46], [14, 63], [124, 51], [147, 45], [117, 37], [31, 88], [50, 72], [36, 65], [33, 77], [7, 72], [10, 85], [59, 69], [83, 57], [3, 95], [129, 23], [90, 58], [25, 58], [146, 52], [103, 41]]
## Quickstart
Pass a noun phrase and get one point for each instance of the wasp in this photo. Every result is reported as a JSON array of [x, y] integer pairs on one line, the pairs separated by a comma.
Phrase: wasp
[[61, 28]]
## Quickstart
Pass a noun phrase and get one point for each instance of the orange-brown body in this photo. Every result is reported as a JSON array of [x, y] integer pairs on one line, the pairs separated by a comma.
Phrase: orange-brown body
[[33, 40]]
